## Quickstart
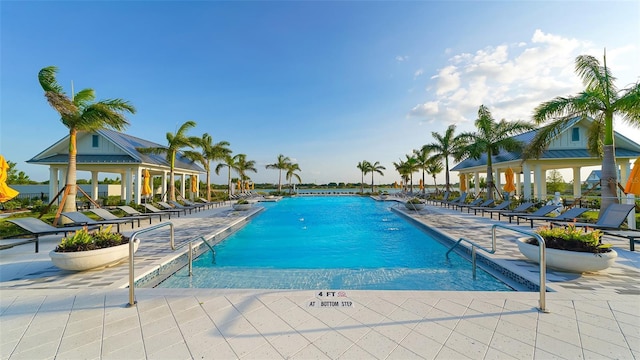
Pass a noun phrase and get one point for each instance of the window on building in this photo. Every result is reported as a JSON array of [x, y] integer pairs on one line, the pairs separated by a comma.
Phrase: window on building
[[94, 141], [575, 134]]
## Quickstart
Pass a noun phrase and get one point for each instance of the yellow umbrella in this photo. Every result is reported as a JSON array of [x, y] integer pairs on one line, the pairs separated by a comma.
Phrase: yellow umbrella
[[246, 186], [6, 193], [194, 184], [633, 184], [238, 185], [463, 182], [146, 179], [509, 186]]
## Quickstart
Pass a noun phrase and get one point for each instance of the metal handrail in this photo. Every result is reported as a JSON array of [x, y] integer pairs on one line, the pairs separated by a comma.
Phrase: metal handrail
[[132, 301], [542, 247], [473, 252]]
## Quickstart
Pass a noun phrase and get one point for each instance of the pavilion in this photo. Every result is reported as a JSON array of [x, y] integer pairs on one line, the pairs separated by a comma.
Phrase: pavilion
[[567, 151], [108, 151]]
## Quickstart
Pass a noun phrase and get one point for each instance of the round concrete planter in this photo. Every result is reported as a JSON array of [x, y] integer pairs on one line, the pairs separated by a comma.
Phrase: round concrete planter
[[412, 206], [571, 261], [241, 207], [85, 260]]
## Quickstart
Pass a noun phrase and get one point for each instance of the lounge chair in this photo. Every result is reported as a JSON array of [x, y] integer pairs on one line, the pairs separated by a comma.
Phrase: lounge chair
[[166, 206], [37, 228], [610, 219], [190, 207], [632, 235], [444, 199], [540, 212], [129, 211], [155, 210], [485, 205], [107, 215], [459, 200], [519, 209], [569, 215], [209, 203], [503, 206], [461, 205], [80, 219]]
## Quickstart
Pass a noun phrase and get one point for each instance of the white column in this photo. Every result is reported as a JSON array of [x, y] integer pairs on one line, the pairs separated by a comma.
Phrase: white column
[[496, 180], [476, 179], [53, 183], [138, 187], [164, 185], [94, 185], [128, 198], [625, 171], [577, 183], [518, 191], [182, 185], [538, 175], [526, 177], [123, 185]]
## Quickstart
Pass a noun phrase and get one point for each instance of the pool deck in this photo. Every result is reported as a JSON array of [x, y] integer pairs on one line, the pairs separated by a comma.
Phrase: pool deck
[[47, 313]]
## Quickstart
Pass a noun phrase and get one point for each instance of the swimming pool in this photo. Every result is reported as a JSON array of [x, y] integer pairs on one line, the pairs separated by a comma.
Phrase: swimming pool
[[344, 243]]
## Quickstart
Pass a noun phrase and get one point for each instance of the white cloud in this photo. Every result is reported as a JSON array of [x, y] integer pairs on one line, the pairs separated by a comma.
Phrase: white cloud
[[510, 79], [401, 58], [418, 73]]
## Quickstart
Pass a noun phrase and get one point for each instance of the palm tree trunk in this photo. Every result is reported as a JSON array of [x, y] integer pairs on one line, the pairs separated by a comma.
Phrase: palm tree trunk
[[172, 185], [280, 181], [609, 167], [70, 202], [362, 182], [372, 182], [446, 164], [208, 167]]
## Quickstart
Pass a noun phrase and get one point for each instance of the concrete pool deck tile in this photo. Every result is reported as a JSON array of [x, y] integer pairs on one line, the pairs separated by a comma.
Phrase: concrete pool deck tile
[[47, 313]]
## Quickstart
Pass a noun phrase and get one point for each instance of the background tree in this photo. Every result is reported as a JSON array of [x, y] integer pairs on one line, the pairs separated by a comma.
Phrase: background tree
[[434, 167], [490, 138], [600, 100], [16, 177], [175, 142], [410, 166], [209, 152], [375, 168], [80, 113], [403, 170], [282, 163], [364, 167], [291, 174], [444, 147], [242, 166], [230, 163], [555, 182], [422, 157]]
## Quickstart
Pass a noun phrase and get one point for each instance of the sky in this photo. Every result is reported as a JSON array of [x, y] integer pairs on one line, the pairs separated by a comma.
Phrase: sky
[[326, 83]]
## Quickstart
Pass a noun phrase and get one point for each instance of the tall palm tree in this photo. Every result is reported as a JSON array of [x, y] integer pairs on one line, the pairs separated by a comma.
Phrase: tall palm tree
[[291, 173], [175, 142], [230, 163], [600, 100], [376, 168], [408, 167], [81, 113], [422, 157], [490, 138], [282, 163], [444, 147], [364, 167], [242, 166], [433, 168], [209, 152]]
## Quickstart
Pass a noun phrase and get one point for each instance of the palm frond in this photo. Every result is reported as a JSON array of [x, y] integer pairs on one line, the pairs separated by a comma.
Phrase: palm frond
[[48, 82], [628, 105], [595, 143]]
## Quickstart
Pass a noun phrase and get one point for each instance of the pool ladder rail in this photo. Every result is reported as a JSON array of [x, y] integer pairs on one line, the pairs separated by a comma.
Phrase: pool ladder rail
[[542, 262], [132, 300]]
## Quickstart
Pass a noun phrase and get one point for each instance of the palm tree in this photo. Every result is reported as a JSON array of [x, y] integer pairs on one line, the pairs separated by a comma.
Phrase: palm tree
[[490, 138], [434, 168], [407, 168], [600, 100], [291, 173], [242, 166], [364, 167], [422, 157], [175, 142], [209, 152], [230, 162], [376, 168], [401, 168], [444, 147], [281, 164], [81, 113]]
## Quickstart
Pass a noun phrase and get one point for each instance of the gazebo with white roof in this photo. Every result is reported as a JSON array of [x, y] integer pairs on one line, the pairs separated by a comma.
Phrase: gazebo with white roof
[[108, 151]]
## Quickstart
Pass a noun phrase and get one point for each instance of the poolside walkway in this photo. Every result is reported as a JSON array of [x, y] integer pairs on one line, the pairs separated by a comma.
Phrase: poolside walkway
[[49, 313]]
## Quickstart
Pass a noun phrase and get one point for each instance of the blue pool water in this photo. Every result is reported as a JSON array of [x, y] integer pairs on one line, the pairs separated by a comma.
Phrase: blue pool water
[[331, 243]]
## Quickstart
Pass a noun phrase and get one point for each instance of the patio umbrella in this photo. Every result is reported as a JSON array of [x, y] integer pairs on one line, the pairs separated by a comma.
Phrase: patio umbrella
[[194, 184], [146, 179], [633, 184], [421, 185], [509, 186], [6, 193], [463, 182]]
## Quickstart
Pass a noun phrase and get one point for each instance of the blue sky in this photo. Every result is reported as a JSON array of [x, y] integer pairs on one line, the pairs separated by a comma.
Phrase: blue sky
[[328, 84]]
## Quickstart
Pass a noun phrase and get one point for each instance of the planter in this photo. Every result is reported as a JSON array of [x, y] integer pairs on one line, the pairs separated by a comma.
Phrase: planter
[[384, 196], [85, 260], [571, 261], [241, 207], [412, 206]]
